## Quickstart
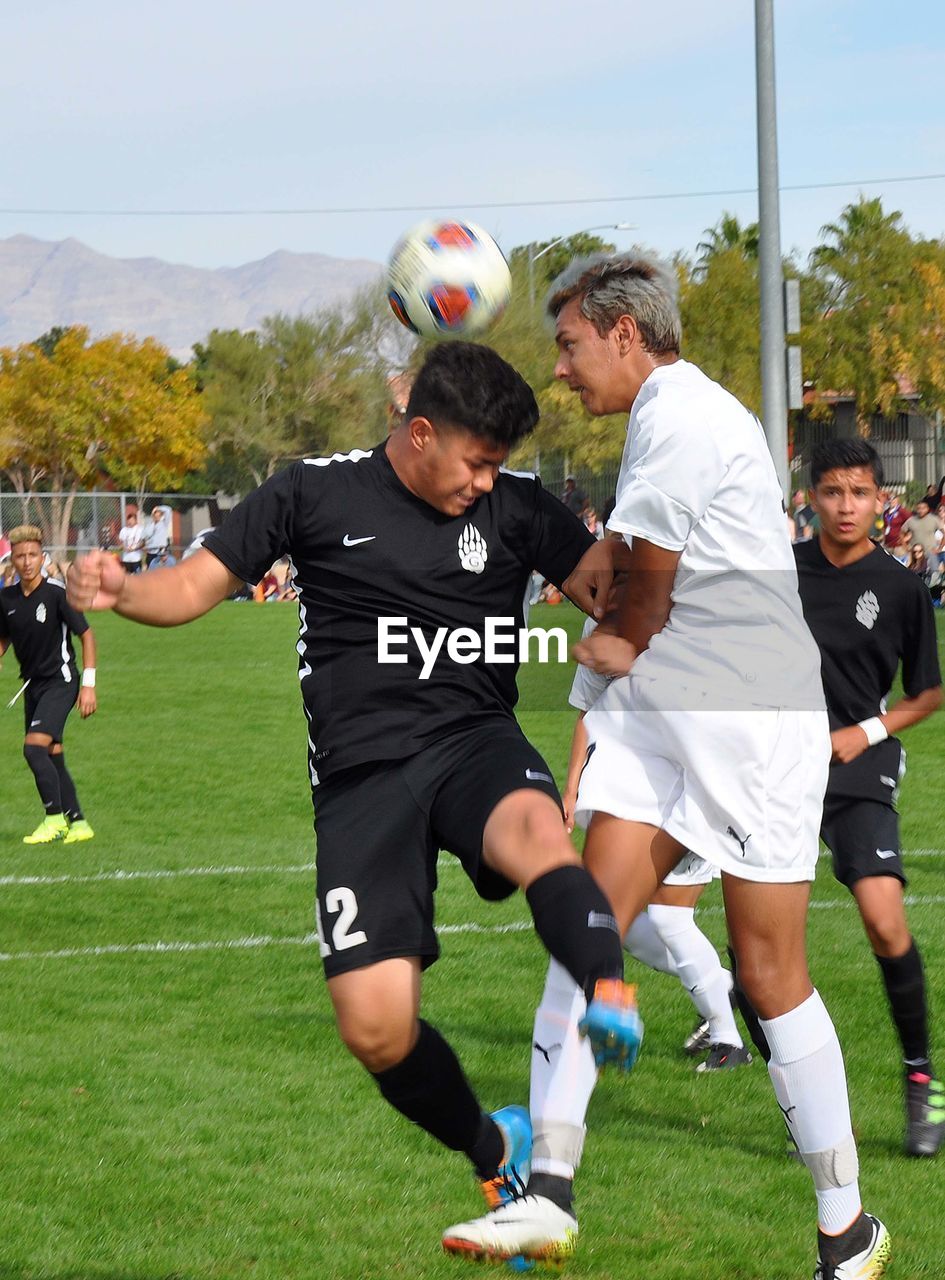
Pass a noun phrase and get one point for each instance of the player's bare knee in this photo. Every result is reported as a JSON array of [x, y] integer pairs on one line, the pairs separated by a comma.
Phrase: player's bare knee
[[377, 1043], [887, 937]]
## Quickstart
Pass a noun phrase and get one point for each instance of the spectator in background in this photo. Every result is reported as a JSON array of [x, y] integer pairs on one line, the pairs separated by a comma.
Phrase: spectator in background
[[593, 523], [925, 528], [895, 517], [55, 571], [157, 533], [903, 552], [131, 541], [164, 560], [933, 494], [919, 563], [803, 517], [574, 499]]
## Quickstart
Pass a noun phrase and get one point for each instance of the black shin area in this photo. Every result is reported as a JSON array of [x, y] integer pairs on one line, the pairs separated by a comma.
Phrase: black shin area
[[904, 979], [47, 779], [558, 1190], [576, 923], [67, 793], [429, 1088], [745, 1008]]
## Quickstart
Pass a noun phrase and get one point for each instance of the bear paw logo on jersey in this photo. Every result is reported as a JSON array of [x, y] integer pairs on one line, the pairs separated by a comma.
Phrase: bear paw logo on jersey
[[472, 550], [867, 610], [41, 613]]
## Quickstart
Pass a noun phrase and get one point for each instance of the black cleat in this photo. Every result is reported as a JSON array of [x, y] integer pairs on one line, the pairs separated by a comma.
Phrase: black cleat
[[925, 1114], [725, 1057]]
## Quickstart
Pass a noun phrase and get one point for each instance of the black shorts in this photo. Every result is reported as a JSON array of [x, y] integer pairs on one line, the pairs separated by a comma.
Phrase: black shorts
[[380, 826], [863, 838], [46, 705]]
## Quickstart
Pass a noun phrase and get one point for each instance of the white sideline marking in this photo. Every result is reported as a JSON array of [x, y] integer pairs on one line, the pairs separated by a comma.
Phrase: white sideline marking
[[230, 944], [101, 876], [303, 868], [255, 941]]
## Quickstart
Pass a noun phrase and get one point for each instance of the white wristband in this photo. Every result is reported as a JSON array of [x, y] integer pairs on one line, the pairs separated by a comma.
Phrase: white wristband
[[88, 678], [874, 729]]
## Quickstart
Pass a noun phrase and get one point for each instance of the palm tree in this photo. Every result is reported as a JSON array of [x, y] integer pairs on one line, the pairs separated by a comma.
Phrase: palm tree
[[727, 234]]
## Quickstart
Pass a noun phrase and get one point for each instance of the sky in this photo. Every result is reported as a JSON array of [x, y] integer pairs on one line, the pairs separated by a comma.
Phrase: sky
[[566, 115]]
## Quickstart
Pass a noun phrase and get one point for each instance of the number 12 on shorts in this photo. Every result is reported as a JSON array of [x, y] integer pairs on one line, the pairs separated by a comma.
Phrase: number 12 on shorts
[[342, 902]]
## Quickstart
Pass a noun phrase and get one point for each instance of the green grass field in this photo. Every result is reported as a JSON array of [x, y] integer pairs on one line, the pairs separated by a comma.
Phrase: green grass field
[[175, 1102]]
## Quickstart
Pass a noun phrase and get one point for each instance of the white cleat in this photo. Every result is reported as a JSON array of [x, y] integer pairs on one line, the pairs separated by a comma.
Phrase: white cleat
[[868, 1265], [531, 1227]]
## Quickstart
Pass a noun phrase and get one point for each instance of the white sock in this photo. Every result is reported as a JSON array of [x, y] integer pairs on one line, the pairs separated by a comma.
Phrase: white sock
[[645, 944], [699, 969], [807, 1072], [563, 1076]]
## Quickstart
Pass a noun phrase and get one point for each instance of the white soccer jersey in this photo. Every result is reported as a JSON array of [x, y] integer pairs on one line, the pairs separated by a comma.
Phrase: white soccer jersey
[[696, 477]]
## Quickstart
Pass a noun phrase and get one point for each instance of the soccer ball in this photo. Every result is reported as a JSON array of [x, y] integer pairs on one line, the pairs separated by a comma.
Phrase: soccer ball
[[448, 278]]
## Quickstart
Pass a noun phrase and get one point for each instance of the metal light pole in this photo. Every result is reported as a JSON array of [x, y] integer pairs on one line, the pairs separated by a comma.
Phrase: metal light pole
[[533, 256], [773, 380]]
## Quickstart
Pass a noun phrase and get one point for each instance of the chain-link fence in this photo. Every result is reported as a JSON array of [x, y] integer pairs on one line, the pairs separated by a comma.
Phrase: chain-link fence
[[74, 522], [910, 446]]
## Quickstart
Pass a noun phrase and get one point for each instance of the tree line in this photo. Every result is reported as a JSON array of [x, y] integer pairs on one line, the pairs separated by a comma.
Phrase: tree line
[[77, 413]]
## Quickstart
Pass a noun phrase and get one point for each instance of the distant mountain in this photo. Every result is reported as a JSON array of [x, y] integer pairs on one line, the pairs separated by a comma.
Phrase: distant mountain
[[45, 283]]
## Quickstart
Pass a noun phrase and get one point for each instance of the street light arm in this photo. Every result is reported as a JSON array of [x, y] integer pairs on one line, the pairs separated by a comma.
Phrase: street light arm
[[533, 256]]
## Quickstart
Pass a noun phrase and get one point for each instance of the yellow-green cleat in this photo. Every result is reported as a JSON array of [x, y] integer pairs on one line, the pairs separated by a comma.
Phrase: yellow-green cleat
[[78, 831], [53, 827]]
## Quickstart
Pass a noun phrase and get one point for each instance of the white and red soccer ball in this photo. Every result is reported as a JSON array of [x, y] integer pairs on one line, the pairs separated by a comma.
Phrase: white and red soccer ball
[[448, 278]]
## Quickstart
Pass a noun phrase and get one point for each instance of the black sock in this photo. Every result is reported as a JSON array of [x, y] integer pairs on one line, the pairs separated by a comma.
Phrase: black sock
[[67, 793], [836, 1249], [745, 1008], [904, 980], [576, 923], [429, 1088], [553, 1187], [47, 779]]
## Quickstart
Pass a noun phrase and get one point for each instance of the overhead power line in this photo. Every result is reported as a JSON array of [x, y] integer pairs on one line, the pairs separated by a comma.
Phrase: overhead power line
[[455, 204]]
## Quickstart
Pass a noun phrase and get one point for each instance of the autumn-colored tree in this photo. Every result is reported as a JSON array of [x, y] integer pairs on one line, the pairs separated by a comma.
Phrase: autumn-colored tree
[[114, 405]]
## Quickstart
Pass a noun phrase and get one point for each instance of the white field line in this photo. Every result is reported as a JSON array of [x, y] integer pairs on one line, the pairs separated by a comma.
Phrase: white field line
[[100, 877], [257, 941], [302, 868]]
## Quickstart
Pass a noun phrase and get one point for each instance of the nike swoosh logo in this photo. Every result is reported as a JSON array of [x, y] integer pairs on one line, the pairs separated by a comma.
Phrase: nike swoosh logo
[[885, 853], [348, 541], [534, 776]]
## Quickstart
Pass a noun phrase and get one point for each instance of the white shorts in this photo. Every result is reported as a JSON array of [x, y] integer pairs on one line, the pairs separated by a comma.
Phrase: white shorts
[[741, 787], [691, 870]]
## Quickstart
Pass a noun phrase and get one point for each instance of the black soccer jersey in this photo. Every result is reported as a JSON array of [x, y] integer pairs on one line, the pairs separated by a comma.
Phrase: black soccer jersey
[[396, 599], [867, 617], [40, 627]]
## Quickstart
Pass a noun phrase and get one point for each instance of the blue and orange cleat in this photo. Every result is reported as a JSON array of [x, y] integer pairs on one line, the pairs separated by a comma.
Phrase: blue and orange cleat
[[512, 1177], [613, 1025]]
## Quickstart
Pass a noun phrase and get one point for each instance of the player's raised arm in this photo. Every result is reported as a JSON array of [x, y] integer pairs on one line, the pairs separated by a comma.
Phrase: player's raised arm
[[162, 598]]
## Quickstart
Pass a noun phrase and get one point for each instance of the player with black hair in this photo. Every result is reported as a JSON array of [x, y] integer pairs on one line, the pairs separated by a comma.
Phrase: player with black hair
[[403, 555], [37, 620], [869, 615]]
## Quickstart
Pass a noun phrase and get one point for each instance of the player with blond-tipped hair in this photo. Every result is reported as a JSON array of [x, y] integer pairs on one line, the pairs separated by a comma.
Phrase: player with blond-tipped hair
[[38, 621], [712, 737]]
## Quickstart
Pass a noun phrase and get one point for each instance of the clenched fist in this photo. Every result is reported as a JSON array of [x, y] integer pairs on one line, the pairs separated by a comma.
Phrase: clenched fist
[[95, 581]]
